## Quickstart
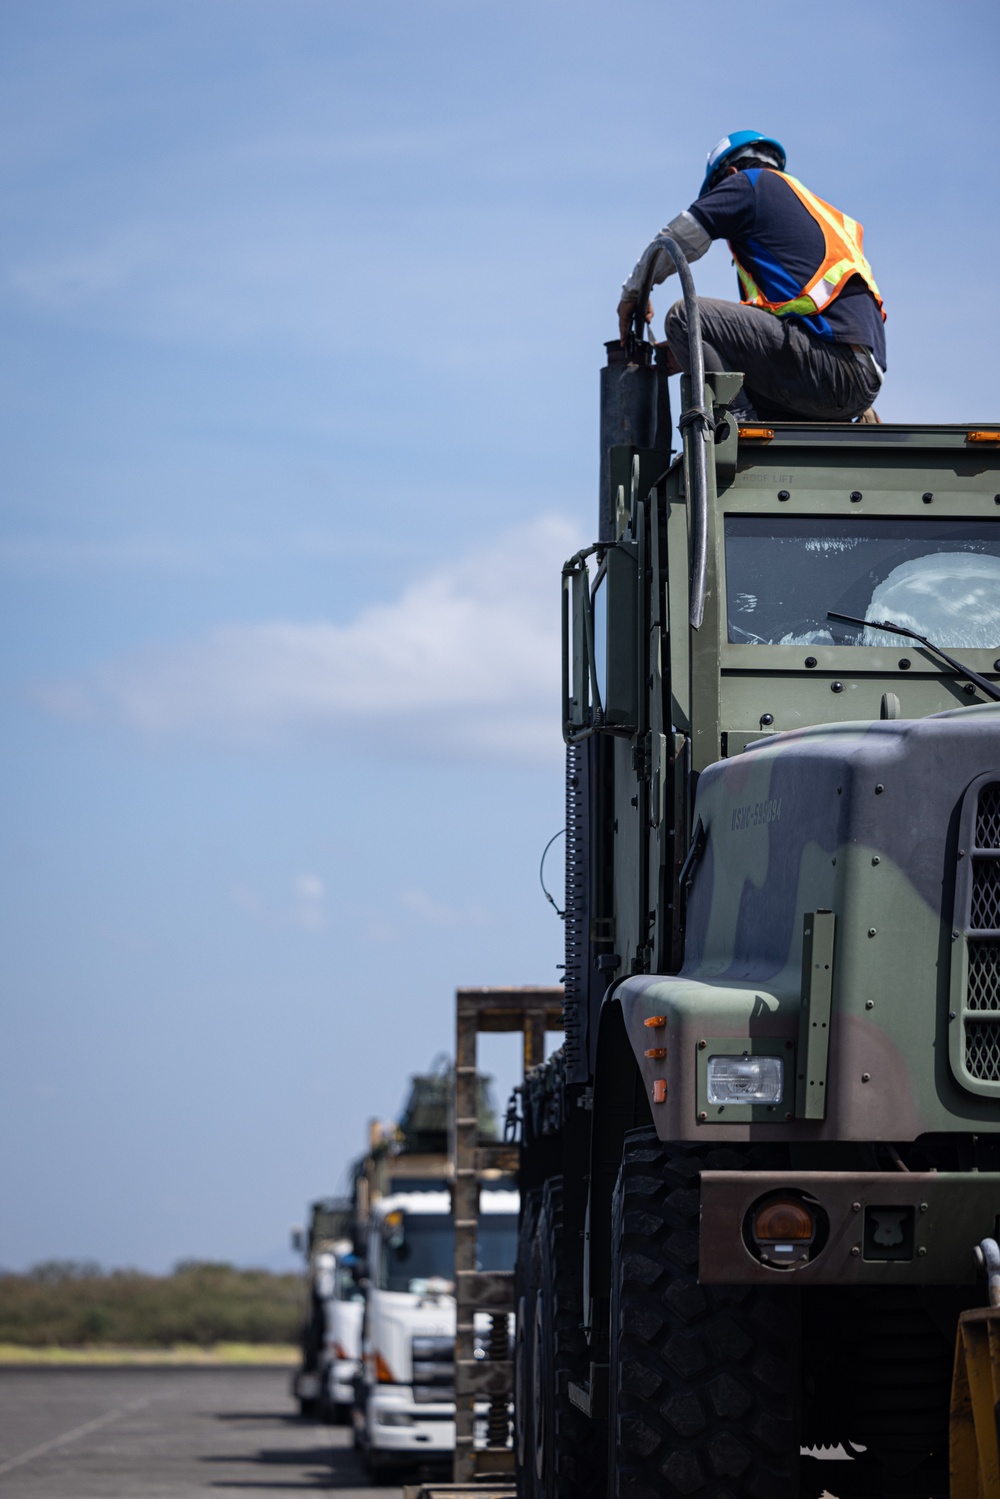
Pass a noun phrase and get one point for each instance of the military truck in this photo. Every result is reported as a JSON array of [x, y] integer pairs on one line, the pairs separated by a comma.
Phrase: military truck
[[323, 1243], [754, 1177]]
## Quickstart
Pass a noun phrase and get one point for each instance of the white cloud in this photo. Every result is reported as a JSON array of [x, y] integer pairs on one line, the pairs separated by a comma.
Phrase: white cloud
[[433, 913], [307, 910], [465, 661]]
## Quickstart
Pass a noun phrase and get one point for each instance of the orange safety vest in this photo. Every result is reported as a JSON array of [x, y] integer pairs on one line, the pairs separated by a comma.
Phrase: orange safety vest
[[842, 258]]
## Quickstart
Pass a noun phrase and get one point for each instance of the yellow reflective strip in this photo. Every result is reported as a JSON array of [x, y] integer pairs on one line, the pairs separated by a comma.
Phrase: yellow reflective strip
[[823, 289], [748, 283], [803, 306]]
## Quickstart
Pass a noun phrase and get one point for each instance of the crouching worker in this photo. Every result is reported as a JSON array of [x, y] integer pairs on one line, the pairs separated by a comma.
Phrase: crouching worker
[[807, 332]]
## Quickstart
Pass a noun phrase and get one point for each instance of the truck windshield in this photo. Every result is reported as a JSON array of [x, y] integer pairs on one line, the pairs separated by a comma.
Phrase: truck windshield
[[344, 1286], [938, 577], [426, 1250], [497, 1241], [422, 1249]]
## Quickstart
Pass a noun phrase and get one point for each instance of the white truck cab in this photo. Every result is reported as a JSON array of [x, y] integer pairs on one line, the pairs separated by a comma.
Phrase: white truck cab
[[405, 1412], [343, 1314]]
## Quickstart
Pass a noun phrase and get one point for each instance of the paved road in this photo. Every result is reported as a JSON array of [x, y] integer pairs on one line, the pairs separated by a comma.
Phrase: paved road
[[166, 1434]]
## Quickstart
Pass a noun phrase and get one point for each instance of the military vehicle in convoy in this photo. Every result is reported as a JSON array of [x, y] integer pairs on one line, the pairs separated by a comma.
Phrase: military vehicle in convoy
[[378, 1337], [754, 1177], [325, 1245]]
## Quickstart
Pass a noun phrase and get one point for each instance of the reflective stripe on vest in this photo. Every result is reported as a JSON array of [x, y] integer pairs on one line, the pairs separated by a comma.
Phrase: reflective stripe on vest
[[842, 258]]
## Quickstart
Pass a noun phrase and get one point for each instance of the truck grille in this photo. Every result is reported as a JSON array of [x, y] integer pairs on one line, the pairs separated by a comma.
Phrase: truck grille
[[433, 1369], [988, 818], [983, 988], [977, 920], [985, 895]]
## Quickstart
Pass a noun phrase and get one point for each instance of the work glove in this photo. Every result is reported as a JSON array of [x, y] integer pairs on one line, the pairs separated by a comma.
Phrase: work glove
[[626, 310]]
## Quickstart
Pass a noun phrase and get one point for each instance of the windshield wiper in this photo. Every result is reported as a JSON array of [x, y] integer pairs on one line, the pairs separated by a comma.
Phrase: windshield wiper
[[983, 683]]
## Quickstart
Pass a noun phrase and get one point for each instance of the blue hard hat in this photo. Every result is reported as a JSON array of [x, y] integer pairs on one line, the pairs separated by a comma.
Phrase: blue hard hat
[[731, 145]]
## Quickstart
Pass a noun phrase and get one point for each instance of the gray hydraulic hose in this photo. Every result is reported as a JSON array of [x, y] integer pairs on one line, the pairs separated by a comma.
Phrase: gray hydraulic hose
[[988, 1258], [696, 418]]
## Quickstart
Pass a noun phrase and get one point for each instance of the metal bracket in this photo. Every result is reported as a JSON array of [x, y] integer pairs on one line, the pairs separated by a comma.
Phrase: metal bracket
[[814, 1018]]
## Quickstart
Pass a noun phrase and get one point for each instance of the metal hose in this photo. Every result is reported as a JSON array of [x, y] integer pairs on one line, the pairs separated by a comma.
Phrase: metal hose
[[696, 423], [988, 1259]]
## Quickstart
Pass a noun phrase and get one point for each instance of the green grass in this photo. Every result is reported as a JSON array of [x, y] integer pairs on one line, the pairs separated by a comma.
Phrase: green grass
[[201, 1306], [182, 1355]]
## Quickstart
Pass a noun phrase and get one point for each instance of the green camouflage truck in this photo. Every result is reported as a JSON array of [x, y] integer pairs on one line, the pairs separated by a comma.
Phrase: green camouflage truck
[[754, 1178]]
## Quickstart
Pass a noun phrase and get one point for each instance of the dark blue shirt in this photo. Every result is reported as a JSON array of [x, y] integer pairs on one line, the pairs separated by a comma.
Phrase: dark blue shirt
[[779, 242]]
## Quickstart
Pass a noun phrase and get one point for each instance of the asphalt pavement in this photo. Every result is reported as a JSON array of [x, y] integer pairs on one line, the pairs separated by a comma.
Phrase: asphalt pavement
[[139, 1433]]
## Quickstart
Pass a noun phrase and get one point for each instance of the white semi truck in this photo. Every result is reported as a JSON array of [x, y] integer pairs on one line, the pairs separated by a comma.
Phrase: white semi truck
[[405, 1412]]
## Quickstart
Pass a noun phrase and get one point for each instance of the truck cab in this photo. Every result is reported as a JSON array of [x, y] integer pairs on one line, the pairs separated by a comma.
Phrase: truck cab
[[405, 1411], [343, 1313]]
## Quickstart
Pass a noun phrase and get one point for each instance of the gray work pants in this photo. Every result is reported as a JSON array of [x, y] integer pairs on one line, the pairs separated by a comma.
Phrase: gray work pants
[[787, 373]]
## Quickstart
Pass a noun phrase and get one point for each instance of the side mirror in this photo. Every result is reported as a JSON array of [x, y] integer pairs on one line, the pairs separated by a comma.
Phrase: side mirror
[[600, 630], [579, 683], [298, 1239]]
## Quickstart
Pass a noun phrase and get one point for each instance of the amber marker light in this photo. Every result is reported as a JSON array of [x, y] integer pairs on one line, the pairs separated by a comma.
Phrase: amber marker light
[[783, 1220], [656, 1051], [784, 1231], [660, 1090], [383, 1373], [983, 436], [756, 434], [655, 1022]]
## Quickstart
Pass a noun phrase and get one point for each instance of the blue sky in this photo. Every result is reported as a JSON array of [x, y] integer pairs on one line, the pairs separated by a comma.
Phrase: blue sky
[[303, 305]]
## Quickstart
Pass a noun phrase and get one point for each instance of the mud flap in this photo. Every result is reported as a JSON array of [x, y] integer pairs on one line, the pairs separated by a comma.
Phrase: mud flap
[[975, 1406]]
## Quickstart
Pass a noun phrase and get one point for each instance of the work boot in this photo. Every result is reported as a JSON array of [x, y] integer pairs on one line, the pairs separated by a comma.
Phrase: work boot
[[742, 412]]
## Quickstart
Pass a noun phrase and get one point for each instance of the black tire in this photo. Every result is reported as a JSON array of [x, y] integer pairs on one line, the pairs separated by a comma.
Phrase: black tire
[[378, 1470], [704, 1380], [573, 1448], [525, 1293], [333, 1413]]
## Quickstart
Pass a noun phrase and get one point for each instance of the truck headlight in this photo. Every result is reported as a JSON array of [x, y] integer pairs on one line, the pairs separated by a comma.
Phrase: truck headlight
[[746, 1079]]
